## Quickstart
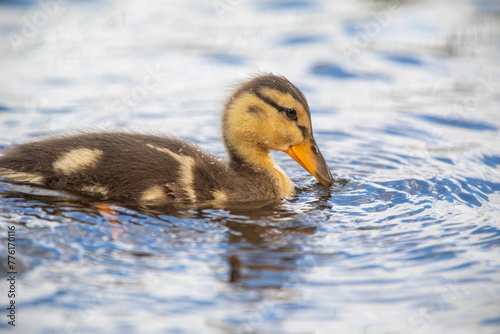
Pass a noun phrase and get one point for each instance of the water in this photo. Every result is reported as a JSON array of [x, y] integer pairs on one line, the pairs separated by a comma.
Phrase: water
[[404, 98]]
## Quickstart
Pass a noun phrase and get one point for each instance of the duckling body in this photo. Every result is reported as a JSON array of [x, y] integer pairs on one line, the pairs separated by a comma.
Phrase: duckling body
[[265, 113], [151, 170]]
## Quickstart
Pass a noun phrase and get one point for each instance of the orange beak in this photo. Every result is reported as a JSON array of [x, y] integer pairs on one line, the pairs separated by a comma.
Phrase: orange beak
[[308, 155]]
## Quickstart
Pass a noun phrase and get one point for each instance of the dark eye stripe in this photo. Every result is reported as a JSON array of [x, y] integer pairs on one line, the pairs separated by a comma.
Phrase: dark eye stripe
[[304, 131], [268, 101], [275, 105]]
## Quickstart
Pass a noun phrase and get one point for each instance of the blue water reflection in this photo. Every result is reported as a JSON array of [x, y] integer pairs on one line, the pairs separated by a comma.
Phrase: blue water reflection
[[404, 102]]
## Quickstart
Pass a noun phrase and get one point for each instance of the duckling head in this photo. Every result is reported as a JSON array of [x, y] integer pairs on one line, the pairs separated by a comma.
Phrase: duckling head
[[269, 113]]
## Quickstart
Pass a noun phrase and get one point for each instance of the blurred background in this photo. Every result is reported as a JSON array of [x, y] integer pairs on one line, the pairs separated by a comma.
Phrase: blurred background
[[405, 107]]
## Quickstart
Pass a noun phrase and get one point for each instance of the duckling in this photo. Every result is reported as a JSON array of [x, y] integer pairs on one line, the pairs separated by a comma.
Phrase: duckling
[[265, 113]]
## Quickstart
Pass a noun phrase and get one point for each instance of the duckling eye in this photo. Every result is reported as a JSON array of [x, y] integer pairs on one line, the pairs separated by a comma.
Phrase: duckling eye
[[291, 113]]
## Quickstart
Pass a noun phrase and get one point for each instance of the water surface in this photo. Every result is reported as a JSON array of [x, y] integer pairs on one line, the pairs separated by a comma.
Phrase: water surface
[[404, 99]]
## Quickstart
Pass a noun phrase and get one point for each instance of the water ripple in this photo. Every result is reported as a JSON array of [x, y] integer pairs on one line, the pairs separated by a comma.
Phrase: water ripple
[[337, 71], [460, 122], [406, 241]]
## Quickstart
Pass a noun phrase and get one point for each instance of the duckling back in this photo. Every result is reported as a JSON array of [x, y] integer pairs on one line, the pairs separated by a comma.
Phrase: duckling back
[[139, 168]]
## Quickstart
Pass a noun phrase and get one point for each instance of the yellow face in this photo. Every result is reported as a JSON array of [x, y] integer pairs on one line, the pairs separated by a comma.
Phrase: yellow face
[[263, 126], [262, 118]]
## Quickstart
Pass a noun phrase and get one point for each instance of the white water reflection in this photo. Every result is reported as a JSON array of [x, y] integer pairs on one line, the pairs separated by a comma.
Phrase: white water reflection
[[404, 97]]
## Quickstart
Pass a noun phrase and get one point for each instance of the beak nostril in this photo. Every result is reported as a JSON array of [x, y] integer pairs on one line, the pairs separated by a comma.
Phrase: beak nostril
[[315, 149]]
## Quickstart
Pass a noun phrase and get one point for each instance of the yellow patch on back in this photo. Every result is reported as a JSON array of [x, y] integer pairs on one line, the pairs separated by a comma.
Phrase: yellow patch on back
[[22, 177], [154, 196], [185, 170], [77, 160], [96, 189]]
